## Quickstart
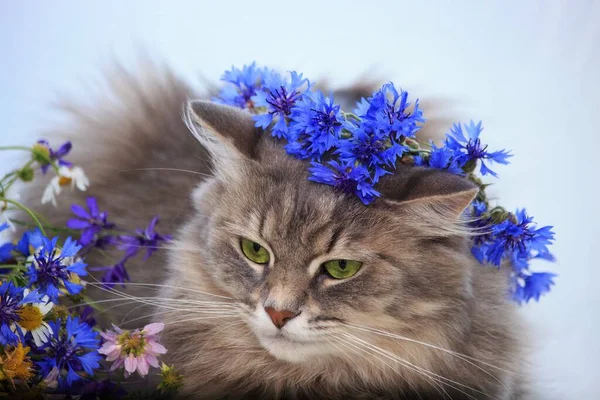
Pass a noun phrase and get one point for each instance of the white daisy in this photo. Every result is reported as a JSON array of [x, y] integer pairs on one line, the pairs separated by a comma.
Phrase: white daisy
[[74, 176], [52, 189], [31, 318]]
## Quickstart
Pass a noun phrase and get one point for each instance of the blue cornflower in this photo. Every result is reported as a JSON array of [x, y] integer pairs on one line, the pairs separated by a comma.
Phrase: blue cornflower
[[481, 226], [52, 267], [347, 178], [373, 149], [71, 350], [6, 248], [6, 252], [31, 241], [517, 237], [471, 149], [12, 299], [147, 239], [279, 98], [529, 285], [54, 155], [388, 111], [91, 222], [440, 158], [316, 126], [243, 85]]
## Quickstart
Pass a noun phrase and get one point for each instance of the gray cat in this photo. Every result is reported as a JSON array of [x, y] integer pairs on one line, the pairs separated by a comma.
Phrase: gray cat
[[251, 310]]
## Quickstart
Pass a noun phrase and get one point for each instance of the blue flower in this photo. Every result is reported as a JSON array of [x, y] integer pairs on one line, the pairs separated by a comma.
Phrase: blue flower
[[12, 298], [116, 273], [529, 286], [92, 222], [470, 149], [278, 97], [316, 126], [387, 110], [7, 248], [30, 242], [440, 158], [51, 268], [85, 314], [243, 84], [55, 155], [347, 178], [72, 350], [147, 239], [517, 237], [373, 149], [6, 252]]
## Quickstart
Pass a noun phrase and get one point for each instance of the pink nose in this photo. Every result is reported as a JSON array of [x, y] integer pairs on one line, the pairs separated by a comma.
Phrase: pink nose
[[280, 317]]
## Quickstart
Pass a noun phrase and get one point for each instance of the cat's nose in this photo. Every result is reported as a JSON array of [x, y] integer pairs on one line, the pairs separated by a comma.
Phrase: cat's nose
[[280, 317]]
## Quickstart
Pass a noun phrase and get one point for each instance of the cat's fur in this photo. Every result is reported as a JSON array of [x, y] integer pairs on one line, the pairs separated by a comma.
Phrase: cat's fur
[[418, 279]]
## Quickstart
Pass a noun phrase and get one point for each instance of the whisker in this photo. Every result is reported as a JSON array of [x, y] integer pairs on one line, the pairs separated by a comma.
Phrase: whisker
[[198, 319], [156, 300], [167, 169], [461, 356], [158, 285], [193, 311], [416, 368], [125, 295], [364, 350]]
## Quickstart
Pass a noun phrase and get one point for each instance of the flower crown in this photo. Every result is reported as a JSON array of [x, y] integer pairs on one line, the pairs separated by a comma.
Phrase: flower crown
[[351, 151]]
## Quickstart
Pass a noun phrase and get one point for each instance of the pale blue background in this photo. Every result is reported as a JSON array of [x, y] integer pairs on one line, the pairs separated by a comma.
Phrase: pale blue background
[[528, 69]]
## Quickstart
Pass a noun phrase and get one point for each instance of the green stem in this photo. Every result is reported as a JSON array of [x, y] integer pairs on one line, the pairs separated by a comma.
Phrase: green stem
[[50, 228], [11, 266], [28, 211], [16, 148]]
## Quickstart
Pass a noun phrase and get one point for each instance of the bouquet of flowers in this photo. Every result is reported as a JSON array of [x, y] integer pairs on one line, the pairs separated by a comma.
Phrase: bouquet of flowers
[[49, 340]]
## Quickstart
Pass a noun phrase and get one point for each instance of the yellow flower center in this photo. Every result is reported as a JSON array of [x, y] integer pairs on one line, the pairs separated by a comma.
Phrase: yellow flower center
[[15, 364], [30, 316], [64, 181], [132, 343]]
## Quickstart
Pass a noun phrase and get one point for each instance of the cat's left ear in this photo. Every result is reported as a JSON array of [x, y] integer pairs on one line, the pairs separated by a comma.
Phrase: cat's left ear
[[429, 196], [227, 133]]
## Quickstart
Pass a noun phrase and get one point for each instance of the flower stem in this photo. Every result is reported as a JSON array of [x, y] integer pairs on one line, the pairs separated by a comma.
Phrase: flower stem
[[16, 148], [28, 211], [50, 228], [11, 266]]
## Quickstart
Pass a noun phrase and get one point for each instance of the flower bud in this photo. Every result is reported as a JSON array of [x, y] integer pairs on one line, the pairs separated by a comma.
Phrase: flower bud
[[41, 153], [25, 174], [470, 166], [408, 160], [413, 144]]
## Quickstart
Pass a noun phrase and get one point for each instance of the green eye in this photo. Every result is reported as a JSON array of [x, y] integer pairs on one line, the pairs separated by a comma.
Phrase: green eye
[[342, 269], [255, 252]]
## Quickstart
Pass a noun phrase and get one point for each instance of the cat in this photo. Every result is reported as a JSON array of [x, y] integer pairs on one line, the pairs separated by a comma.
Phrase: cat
[[421, 319]]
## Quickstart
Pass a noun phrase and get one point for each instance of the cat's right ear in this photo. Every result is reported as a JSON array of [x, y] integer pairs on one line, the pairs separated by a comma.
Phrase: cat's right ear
[[227, 133]]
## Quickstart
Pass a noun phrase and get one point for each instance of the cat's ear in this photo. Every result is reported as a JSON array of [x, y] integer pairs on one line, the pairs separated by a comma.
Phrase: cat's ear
[[227, 133], [430, 196]]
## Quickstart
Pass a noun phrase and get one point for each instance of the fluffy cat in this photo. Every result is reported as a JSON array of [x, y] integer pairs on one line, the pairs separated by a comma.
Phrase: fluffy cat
[[420, 320]]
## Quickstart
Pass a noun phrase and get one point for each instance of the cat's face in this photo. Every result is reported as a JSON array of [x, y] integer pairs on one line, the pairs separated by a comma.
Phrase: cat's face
[[303, 261]]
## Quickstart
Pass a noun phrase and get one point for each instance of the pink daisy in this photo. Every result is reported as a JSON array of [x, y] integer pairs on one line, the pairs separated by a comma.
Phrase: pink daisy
[[136, 350]]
